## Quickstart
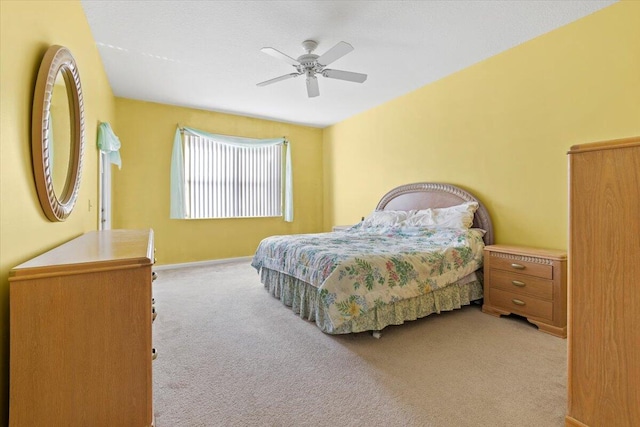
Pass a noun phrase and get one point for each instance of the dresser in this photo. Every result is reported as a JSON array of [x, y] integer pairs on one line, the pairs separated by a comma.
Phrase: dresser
[[529, 282], [80, 331], [604, 285]]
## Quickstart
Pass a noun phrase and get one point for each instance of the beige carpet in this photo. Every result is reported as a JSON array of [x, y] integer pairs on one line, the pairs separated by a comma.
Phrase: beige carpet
[[232, 355]]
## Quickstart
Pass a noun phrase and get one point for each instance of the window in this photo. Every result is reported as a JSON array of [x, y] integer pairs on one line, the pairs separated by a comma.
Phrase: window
[[216, 176], [225, 181]]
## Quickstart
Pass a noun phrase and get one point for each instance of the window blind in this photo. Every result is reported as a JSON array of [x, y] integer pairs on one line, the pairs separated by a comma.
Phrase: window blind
[[226, 181]]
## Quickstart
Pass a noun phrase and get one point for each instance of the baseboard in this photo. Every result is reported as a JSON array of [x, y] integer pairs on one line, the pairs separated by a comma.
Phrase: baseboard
[[208, 263]]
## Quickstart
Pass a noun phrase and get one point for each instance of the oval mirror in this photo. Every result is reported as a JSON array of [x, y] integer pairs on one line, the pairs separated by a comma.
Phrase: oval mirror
[[60, 136], [57, 133]]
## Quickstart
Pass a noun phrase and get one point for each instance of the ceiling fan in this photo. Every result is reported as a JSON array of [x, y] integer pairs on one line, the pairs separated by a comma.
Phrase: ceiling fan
[[311, 64]]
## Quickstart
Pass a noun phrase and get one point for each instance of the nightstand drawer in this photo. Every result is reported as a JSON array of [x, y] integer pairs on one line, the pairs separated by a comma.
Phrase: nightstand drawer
[[522, 284], [521, 304], [521, 266]]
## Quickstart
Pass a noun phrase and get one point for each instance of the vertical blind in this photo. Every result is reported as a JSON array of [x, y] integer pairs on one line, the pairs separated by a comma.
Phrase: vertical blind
[[227, 181]]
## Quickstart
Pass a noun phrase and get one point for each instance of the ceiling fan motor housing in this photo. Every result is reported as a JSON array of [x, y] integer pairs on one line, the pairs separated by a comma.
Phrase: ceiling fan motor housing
[[308, 62]]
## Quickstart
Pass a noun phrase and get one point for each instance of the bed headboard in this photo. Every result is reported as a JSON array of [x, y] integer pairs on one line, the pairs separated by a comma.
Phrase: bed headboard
[[423, 195]]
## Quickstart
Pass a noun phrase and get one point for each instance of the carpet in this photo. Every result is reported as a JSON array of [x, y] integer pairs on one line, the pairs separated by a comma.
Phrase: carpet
[[229, 354]]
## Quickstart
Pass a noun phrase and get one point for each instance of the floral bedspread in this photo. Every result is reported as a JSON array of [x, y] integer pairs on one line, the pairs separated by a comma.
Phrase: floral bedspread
[[355, 270]]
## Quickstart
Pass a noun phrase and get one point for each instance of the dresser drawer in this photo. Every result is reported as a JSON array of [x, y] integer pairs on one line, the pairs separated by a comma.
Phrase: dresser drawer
[[521, 266], [523, 305], [522, 284]]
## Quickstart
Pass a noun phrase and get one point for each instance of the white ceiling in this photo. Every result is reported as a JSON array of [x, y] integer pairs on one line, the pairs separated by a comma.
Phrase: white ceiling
[[206, 54]]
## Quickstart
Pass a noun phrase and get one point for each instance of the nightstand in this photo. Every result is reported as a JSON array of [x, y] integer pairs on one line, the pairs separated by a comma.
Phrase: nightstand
[[341, 227], [528, 282]]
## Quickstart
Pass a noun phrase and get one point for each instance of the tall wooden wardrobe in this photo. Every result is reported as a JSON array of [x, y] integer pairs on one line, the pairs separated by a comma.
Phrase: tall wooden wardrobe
[[604, 284]]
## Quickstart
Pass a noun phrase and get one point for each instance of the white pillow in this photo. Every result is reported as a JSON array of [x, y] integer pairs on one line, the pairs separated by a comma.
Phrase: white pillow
[[421, 218], [458, 216], [385, 219]]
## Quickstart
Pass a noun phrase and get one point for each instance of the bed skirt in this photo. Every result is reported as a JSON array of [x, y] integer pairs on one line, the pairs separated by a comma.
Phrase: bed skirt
[[303, 300]]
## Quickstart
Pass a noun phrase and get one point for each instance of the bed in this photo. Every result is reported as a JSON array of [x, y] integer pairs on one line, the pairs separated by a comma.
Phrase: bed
[[394, 266]]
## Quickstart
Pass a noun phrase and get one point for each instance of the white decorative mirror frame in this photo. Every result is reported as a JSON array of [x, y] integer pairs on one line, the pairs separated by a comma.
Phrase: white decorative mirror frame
[[57, 60]]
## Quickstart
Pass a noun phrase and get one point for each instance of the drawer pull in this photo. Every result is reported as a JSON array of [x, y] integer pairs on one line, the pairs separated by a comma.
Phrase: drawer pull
[[518, 302], [154, 313], [154, 276], [517, 266], [154, 354], [518, 283]]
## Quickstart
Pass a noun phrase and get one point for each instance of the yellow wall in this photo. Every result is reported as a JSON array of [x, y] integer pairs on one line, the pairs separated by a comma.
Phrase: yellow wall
[[508, 121], [141, 188], [27, 29], [500, 128]]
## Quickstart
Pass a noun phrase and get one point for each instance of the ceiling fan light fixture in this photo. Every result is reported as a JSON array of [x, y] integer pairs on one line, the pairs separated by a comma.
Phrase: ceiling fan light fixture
[[311, 64]]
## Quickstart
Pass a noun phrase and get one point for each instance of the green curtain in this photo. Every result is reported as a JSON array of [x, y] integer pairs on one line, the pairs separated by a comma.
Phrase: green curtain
[[109, 143]]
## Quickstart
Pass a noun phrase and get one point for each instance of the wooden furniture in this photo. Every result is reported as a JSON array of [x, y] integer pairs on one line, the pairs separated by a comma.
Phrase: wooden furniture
[[528, 282], [80, 330], [604, 286]]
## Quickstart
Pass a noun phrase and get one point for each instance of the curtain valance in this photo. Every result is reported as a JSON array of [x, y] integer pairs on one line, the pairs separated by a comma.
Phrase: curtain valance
[[109, 144]]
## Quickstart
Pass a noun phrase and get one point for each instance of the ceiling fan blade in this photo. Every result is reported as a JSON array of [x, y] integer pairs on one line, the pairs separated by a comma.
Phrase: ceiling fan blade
[[335, 53], [345, 75], [278, 79], [277, 54], [312, 86]]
